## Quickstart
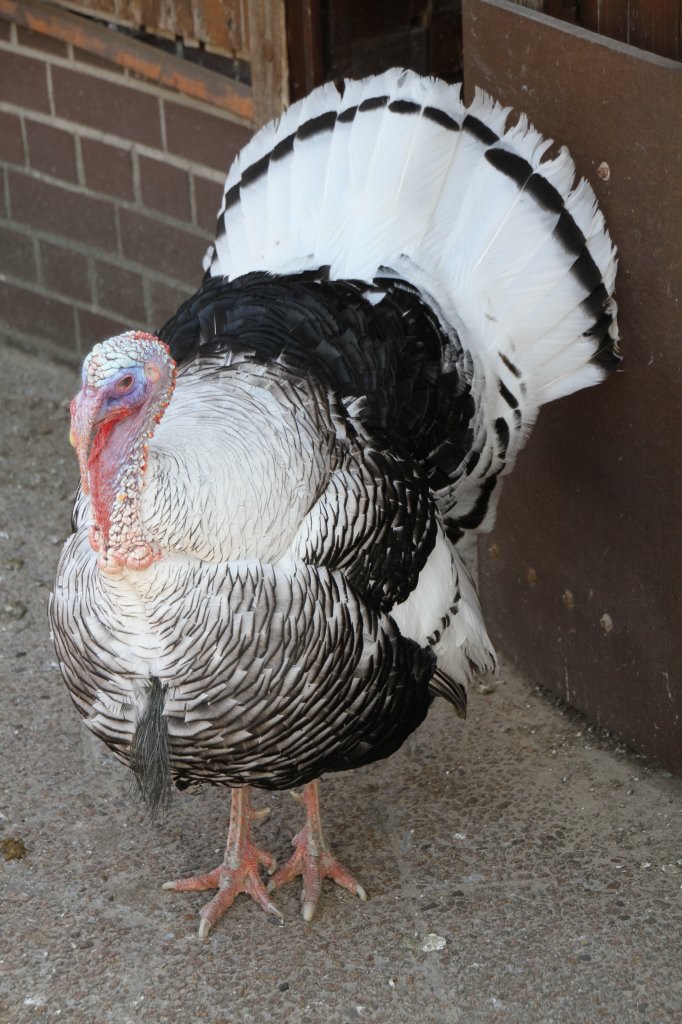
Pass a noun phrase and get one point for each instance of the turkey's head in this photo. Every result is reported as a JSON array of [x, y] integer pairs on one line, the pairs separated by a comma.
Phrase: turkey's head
[[127, 384]]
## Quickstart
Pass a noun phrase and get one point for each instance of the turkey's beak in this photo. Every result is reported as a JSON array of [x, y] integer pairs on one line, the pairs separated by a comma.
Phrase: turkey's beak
[[84, 409]]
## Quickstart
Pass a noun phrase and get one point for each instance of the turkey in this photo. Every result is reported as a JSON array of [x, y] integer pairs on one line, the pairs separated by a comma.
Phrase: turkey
[[264, 583]]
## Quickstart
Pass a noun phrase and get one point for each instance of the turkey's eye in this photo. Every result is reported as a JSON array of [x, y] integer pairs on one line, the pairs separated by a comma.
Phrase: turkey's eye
[[124, 384]]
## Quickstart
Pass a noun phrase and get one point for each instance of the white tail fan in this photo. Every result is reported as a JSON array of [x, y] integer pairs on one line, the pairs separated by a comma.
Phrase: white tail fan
[[395, 171]]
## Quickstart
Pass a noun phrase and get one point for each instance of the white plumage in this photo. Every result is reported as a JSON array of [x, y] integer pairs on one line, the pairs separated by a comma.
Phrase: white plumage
[[264, 583], [387, 189]]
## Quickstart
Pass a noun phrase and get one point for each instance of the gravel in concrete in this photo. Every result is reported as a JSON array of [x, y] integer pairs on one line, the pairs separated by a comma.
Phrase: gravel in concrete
[[521, 868]]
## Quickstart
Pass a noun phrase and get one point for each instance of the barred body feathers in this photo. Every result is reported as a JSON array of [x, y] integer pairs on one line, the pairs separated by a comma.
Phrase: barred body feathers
[[264, 582]]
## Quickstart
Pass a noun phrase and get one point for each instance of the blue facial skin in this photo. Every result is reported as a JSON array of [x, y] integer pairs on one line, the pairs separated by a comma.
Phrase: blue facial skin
[[128, 387]]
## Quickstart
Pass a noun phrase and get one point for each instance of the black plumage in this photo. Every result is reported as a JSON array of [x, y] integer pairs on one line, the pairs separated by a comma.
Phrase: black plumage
[[264, 583]]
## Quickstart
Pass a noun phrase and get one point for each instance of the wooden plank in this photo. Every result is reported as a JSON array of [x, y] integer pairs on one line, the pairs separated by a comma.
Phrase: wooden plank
[[361, 39], [445, 40], [581, 580], [408, 49], [385, 17], [152, 64], [339, 37], [221, 25], [652, 25], [564, 9], [304, 46], [269, 65]]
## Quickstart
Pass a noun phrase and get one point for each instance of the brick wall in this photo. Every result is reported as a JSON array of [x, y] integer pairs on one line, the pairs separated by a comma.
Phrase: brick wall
[[109, 188]]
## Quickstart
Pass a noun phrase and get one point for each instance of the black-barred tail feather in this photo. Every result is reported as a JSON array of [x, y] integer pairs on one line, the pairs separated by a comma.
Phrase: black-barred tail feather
[[396, 172], [455, 693]]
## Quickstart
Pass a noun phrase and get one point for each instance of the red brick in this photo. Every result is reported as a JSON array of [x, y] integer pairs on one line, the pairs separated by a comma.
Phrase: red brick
[[208, 196], [96, 327], [23, 81], [28, 311], [122, 110], [60, 211], [65, 271], [202, 136], [39, 41], [165, 302], [162, 247], [108, 169], [11, 145], [120, 291], [16, 255], [165, 188], [51, 150]]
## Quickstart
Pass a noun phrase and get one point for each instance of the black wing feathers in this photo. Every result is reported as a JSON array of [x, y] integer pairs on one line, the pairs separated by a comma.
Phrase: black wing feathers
[[379, 347]]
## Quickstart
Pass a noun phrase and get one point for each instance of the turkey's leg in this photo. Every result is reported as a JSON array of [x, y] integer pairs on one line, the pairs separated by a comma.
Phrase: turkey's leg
[[313, 858], [239, 871]]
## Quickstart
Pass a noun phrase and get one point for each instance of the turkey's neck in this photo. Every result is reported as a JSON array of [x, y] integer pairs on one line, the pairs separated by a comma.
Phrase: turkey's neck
[[116, 474]]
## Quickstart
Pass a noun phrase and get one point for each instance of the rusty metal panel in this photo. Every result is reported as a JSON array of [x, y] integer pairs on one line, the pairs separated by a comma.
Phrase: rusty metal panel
[[221, 25], [582, 580]]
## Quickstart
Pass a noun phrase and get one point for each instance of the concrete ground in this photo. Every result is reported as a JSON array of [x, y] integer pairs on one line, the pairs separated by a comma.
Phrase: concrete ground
[[521, 868]]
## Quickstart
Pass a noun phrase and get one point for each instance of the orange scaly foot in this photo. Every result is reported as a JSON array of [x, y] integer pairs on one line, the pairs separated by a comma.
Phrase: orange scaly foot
[[313, 858], [239, 871]]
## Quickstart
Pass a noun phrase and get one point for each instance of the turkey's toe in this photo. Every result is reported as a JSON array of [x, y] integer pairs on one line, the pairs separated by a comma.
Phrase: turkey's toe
[[195, 883], [314, 866], [232, 883]]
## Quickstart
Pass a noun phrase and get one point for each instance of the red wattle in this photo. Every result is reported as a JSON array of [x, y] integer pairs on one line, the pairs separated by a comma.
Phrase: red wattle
[[102, 472]]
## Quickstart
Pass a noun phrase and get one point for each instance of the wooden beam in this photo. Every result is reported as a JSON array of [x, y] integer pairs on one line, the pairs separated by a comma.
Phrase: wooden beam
[[269, 64], [304, 46], [146, 61]]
